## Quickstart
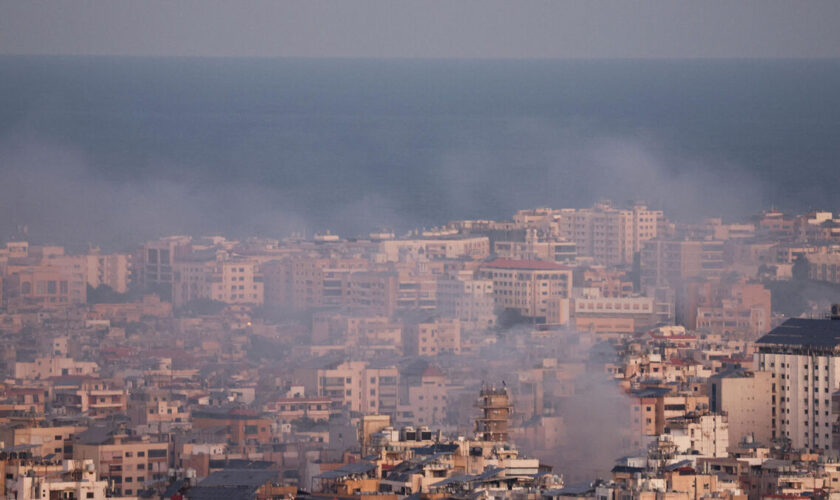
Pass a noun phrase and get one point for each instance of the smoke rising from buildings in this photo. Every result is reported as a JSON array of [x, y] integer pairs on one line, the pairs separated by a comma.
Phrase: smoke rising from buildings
[[299, 146], [60, 194]]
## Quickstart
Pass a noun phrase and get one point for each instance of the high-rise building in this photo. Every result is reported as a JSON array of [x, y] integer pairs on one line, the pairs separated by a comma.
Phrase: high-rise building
[[609, 235], [803, 358], [112, 270], [668, 262], [155, 260]]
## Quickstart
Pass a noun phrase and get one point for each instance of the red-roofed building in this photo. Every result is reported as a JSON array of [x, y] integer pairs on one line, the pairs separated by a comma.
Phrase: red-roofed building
[[536, 289]]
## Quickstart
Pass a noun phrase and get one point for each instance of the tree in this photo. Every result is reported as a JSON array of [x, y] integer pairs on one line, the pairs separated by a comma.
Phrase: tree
[[800, 268], [104, 294], [202, 307]]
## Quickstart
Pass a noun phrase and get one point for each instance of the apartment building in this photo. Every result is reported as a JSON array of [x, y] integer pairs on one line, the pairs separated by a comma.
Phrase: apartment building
[[155, 259], [432, 337], [359, 386], [242, 426], [75, 480], [537, 246], [725, 308], [745, 397], [39, 287], [468, 299], [321, 281], [593, 312], [91, 397], [237, 281], [449, 247], [128, 462], [192, 280], [47, 440], [289, 409], [803, 358], [113, 270], [611, 236], [668, 263], [53, 366], [535, 289], [156, 408], [426, 401], [703, 434], [374, 291], [824, 267]]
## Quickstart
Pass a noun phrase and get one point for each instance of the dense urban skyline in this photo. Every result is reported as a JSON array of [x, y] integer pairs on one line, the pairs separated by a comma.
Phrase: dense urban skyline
[[377, 250]]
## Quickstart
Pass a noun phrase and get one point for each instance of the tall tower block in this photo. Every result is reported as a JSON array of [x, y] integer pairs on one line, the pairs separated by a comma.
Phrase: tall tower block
[[496, 410]]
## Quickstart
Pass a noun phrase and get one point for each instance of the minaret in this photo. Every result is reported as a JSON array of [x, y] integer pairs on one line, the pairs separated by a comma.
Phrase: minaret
[[496, 410]]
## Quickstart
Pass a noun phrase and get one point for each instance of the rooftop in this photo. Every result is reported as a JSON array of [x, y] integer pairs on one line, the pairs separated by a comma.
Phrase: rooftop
[[803, 332], [525, 265]]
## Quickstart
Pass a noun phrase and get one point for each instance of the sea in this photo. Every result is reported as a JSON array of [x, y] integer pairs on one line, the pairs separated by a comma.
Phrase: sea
[[112, 151]]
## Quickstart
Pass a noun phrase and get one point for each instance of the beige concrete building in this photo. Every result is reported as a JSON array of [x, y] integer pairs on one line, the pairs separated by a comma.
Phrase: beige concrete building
[[537, 246], [112, 270], [192, 280], [237, 282], [374, 291], [75, 269], [451, 247], [131, 464], [535, 289], [155, 407], [432, 337], [609, 235], [39, 287], [468, 299], [824, 267], [667, 263], [55, 440], [426, 403], [359, 386], [594, 312], [745, 397], [53, 366]]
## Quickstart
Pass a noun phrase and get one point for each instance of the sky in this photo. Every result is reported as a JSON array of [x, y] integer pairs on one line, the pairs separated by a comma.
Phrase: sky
[[427, 29]]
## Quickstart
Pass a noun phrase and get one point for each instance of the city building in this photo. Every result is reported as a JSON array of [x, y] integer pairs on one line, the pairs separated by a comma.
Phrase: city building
[[535, 289], [745, 397], [802, 358]]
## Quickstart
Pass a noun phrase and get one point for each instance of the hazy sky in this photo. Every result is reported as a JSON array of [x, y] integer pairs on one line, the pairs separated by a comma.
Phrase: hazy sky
[[429, 29]]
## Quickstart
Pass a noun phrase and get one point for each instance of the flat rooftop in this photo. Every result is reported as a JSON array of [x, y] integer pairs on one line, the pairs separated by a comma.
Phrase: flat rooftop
[[801, 332]]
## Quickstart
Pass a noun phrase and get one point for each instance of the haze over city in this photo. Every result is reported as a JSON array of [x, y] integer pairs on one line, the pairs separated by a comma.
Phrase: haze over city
[[384, 250]]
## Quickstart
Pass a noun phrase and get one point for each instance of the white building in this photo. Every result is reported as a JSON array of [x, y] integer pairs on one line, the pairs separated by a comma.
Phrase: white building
[[707, 435], [803, 357], [77, 481]]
